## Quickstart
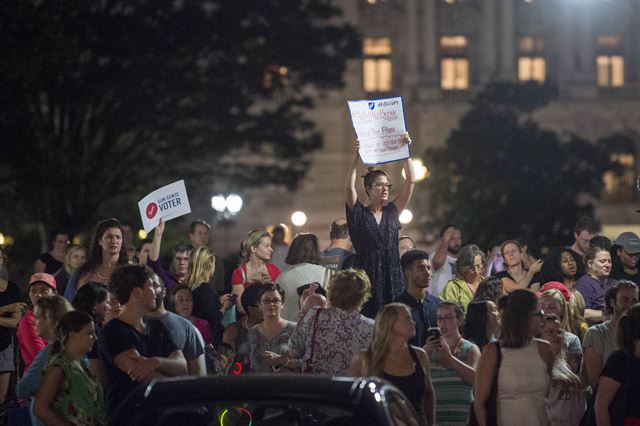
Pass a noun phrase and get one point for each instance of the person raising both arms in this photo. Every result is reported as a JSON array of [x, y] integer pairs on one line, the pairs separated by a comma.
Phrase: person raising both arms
[[374, 229]]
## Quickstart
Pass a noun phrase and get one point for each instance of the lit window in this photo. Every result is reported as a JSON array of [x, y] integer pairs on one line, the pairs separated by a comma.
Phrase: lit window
[[531, 44], [453, 42], [621, 187], [610, 42], [610, 61], [531, 64], [454, 73], [610, 71], [532, 69], [377, 46], [454, 66], [376, 66]]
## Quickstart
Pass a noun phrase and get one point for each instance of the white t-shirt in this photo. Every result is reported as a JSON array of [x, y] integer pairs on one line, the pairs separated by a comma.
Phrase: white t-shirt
[[441, 276]]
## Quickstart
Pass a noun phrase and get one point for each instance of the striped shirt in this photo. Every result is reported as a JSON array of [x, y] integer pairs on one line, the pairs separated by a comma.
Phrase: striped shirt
[[453, 395]]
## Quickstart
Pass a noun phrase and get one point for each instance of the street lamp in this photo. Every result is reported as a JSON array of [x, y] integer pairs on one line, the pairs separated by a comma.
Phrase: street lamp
[[406, 216], [299, 218], [227, 207], [419, 169]]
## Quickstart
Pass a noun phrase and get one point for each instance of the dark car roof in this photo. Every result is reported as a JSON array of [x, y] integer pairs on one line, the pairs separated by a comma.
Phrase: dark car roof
[[341, 390]]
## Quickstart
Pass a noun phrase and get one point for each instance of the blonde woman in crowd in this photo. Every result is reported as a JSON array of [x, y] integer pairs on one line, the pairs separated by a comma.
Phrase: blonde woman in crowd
[[565, 402], [68, 394], [256, 251], [48, 312], [206, 302], [391, 357], [75, 257], [555, 302]]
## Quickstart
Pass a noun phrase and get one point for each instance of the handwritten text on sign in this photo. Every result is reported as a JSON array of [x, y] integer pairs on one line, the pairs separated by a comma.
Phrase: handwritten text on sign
[[168, 202], [379, 125]]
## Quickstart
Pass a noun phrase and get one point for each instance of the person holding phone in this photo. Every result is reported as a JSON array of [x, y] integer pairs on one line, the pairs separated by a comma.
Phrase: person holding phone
[[206, 303], [453, 362]]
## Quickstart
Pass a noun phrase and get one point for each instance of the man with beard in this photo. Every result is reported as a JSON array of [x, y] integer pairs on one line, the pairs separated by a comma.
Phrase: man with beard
[[601, 339], [423, 306], [184, 334], [134, 351], [443, 261]]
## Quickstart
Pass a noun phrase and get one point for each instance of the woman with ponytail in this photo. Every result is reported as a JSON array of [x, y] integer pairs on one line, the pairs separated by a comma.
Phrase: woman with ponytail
[[374, 230], [207, 304], [523, 365], [68, 394], [392, 358]]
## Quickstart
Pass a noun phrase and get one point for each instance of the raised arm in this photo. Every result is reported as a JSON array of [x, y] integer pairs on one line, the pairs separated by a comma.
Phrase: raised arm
[[404, 196], [352, 194], [441, 253], [154, 253]]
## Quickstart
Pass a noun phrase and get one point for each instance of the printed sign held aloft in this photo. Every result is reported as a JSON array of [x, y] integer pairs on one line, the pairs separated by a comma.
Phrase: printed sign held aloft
[[168, 202], [379, 125]]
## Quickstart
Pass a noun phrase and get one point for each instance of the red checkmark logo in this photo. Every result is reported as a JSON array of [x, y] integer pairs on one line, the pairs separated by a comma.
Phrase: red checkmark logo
[[152, 209]]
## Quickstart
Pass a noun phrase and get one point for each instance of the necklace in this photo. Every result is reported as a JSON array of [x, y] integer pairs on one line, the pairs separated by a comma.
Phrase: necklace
[[99, 275], [458, 348]]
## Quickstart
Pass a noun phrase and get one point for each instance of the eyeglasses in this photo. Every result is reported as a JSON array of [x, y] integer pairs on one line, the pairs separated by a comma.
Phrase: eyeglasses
[[271, 301], [474, 268], [446, 318], [382, 185], [538, 314]]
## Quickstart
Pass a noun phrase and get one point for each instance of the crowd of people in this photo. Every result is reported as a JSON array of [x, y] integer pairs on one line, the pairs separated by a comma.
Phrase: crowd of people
[[502, 336]]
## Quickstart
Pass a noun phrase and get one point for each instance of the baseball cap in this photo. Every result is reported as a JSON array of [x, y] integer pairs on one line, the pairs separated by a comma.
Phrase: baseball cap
[[629, 242], [555, 285], [41, 277]]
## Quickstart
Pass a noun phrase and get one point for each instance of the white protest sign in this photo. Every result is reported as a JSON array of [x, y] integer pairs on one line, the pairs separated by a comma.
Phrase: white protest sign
[[168, 202], [379, 125]]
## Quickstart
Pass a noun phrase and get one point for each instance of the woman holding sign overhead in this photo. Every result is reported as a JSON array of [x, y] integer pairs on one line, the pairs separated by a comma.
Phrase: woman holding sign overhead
[[374, 229]]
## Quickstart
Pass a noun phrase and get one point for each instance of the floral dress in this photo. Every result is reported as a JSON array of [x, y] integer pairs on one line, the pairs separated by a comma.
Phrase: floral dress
[[79, 400]]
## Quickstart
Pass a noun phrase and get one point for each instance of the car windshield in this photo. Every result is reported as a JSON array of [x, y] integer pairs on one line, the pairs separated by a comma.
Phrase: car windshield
[[258, 413]]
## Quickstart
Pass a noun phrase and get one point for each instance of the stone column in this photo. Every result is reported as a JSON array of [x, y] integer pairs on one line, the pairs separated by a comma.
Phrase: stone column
[[430, 72], [507, 40], [411, 42], [489, 41], [586, 46], [565, 42]]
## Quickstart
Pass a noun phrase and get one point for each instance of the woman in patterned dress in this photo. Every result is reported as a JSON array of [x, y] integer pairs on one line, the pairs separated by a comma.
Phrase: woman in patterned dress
[[374, 230], [68, 394]]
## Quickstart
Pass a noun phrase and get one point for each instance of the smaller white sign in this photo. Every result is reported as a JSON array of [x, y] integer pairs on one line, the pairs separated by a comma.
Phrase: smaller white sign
[[379, 126], [168, 202]]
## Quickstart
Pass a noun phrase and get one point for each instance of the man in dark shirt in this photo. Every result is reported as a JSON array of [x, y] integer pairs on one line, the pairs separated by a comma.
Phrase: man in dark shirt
[[416, 268], [133, 351]]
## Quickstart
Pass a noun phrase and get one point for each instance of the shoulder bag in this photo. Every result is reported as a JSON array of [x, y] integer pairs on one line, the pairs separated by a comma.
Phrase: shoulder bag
[[309, 366]]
